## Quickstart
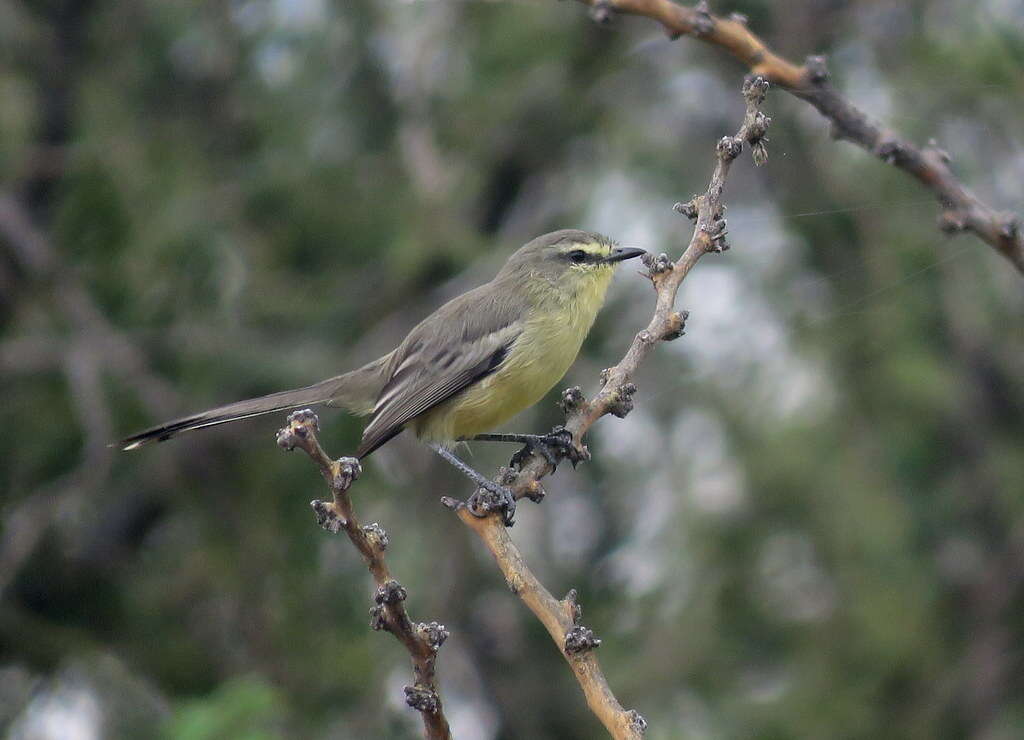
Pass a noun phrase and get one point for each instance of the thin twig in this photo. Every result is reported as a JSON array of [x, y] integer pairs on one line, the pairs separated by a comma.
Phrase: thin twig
[[421, 640], [961, 209], [561, 618]]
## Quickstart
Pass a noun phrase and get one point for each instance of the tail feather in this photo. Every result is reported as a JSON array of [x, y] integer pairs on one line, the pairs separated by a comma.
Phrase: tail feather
[[314, 394], [355, 391]]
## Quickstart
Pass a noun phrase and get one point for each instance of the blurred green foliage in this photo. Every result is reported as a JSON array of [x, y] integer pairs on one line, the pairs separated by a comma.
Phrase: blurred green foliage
[[246, 709]]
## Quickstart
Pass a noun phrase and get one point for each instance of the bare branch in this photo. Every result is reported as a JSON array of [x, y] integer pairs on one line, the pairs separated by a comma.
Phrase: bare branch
[[421, 640], [562, 618], [667, 324], [961, 209]]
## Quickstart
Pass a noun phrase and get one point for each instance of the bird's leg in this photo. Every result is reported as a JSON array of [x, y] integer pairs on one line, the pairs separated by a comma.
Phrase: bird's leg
[[500, 497], [554, 446]]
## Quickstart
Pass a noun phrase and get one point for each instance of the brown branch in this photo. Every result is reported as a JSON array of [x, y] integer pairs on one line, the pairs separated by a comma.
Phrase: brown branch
[[562, 618], [421, 640], [961, 209], [617, 389]]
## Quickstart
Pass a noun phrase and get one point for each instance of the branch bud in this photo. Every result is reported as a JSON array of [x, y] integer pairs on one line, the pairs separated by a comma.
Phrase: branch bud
[[422, 699], [432, 634], [759, 152], [755, 88], [344, 472], [376, 536], [952, 222], [688, 209], [623, 402], [1010, 228], [676, 325], [571, 400], [602, 12], [937, 151], [729, 147], [816, 69], [580, 638], [703, 23], [301, 425], [378, 618], [326, 516], [535, 491], [716, 233], [657, 265], [636, 720], [391, 592], [892, 151], [572, 604]]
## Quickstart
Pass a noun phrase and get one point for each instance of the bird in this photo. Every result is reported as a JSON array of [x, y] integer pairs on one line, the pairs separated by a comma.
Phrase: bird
[[468, 367]]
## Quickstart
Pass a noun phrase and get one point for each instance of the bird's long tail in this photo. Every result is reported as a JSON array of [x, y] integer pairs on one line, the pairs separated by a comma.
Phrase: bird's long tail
[[354, 391]]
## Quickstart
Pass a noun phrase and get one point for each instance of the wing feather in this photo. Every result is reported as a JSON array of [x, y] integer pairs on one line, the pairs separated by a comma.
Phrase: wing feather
[[460, 344]]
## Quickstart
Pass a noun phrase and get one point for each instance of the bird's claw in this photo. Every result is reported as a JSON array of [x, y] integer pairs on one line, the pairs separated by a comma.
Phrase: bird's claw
[[555, 446], [492, 497]]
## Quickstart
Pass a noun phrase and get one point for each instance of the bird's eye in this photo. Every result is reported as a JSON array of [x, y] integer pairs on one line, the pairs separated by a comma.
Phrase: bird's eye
[[577, 256]]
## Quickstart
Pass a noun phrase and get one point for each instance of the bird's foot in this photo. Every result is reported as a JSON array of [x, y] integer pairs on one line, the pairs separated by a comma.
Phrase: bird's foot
[[555, 446], [493, 497]]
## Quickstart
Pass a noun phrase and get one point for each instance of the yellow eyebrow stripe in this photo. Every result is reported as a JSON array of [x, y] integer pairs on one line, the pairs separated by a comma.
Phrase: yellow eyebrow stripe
[[593, 249]]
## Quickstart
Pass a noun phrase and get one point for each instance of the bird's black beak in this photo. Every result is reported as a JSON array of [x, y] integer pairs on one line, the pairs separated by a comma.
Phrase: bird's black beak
[[623, 253]]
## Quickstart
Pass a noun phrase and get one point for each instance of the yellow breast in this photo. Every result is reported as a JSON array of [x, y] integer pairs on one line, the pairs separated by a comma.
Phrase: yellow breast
[[552, 335]]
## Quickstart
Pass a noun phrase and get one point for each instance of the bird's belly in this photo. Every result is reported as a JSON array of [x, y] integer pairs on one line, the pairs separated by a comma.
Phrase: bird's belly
[[536, 362]]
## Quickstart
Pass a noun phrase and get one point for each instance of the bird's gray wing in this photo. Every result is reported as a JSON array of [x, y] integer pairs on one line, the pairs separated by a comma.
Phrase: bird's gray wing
[[460, 344]]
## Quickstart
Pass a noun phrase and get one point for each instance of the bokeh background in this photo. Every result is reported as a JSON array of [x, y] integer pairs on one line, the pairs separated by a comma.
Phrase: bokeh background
[[812, 525]]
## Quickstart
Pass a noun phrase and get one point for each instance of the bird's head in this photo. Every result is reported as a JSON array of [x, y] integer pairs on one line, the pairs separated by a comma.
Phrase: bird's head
[[570, 261]]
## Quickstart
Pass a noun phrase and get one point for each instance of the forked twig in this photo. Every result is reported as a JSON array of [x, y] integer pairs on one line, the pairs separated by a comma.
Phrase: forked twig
[[961, 210], [422, 640], [561, 618]]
